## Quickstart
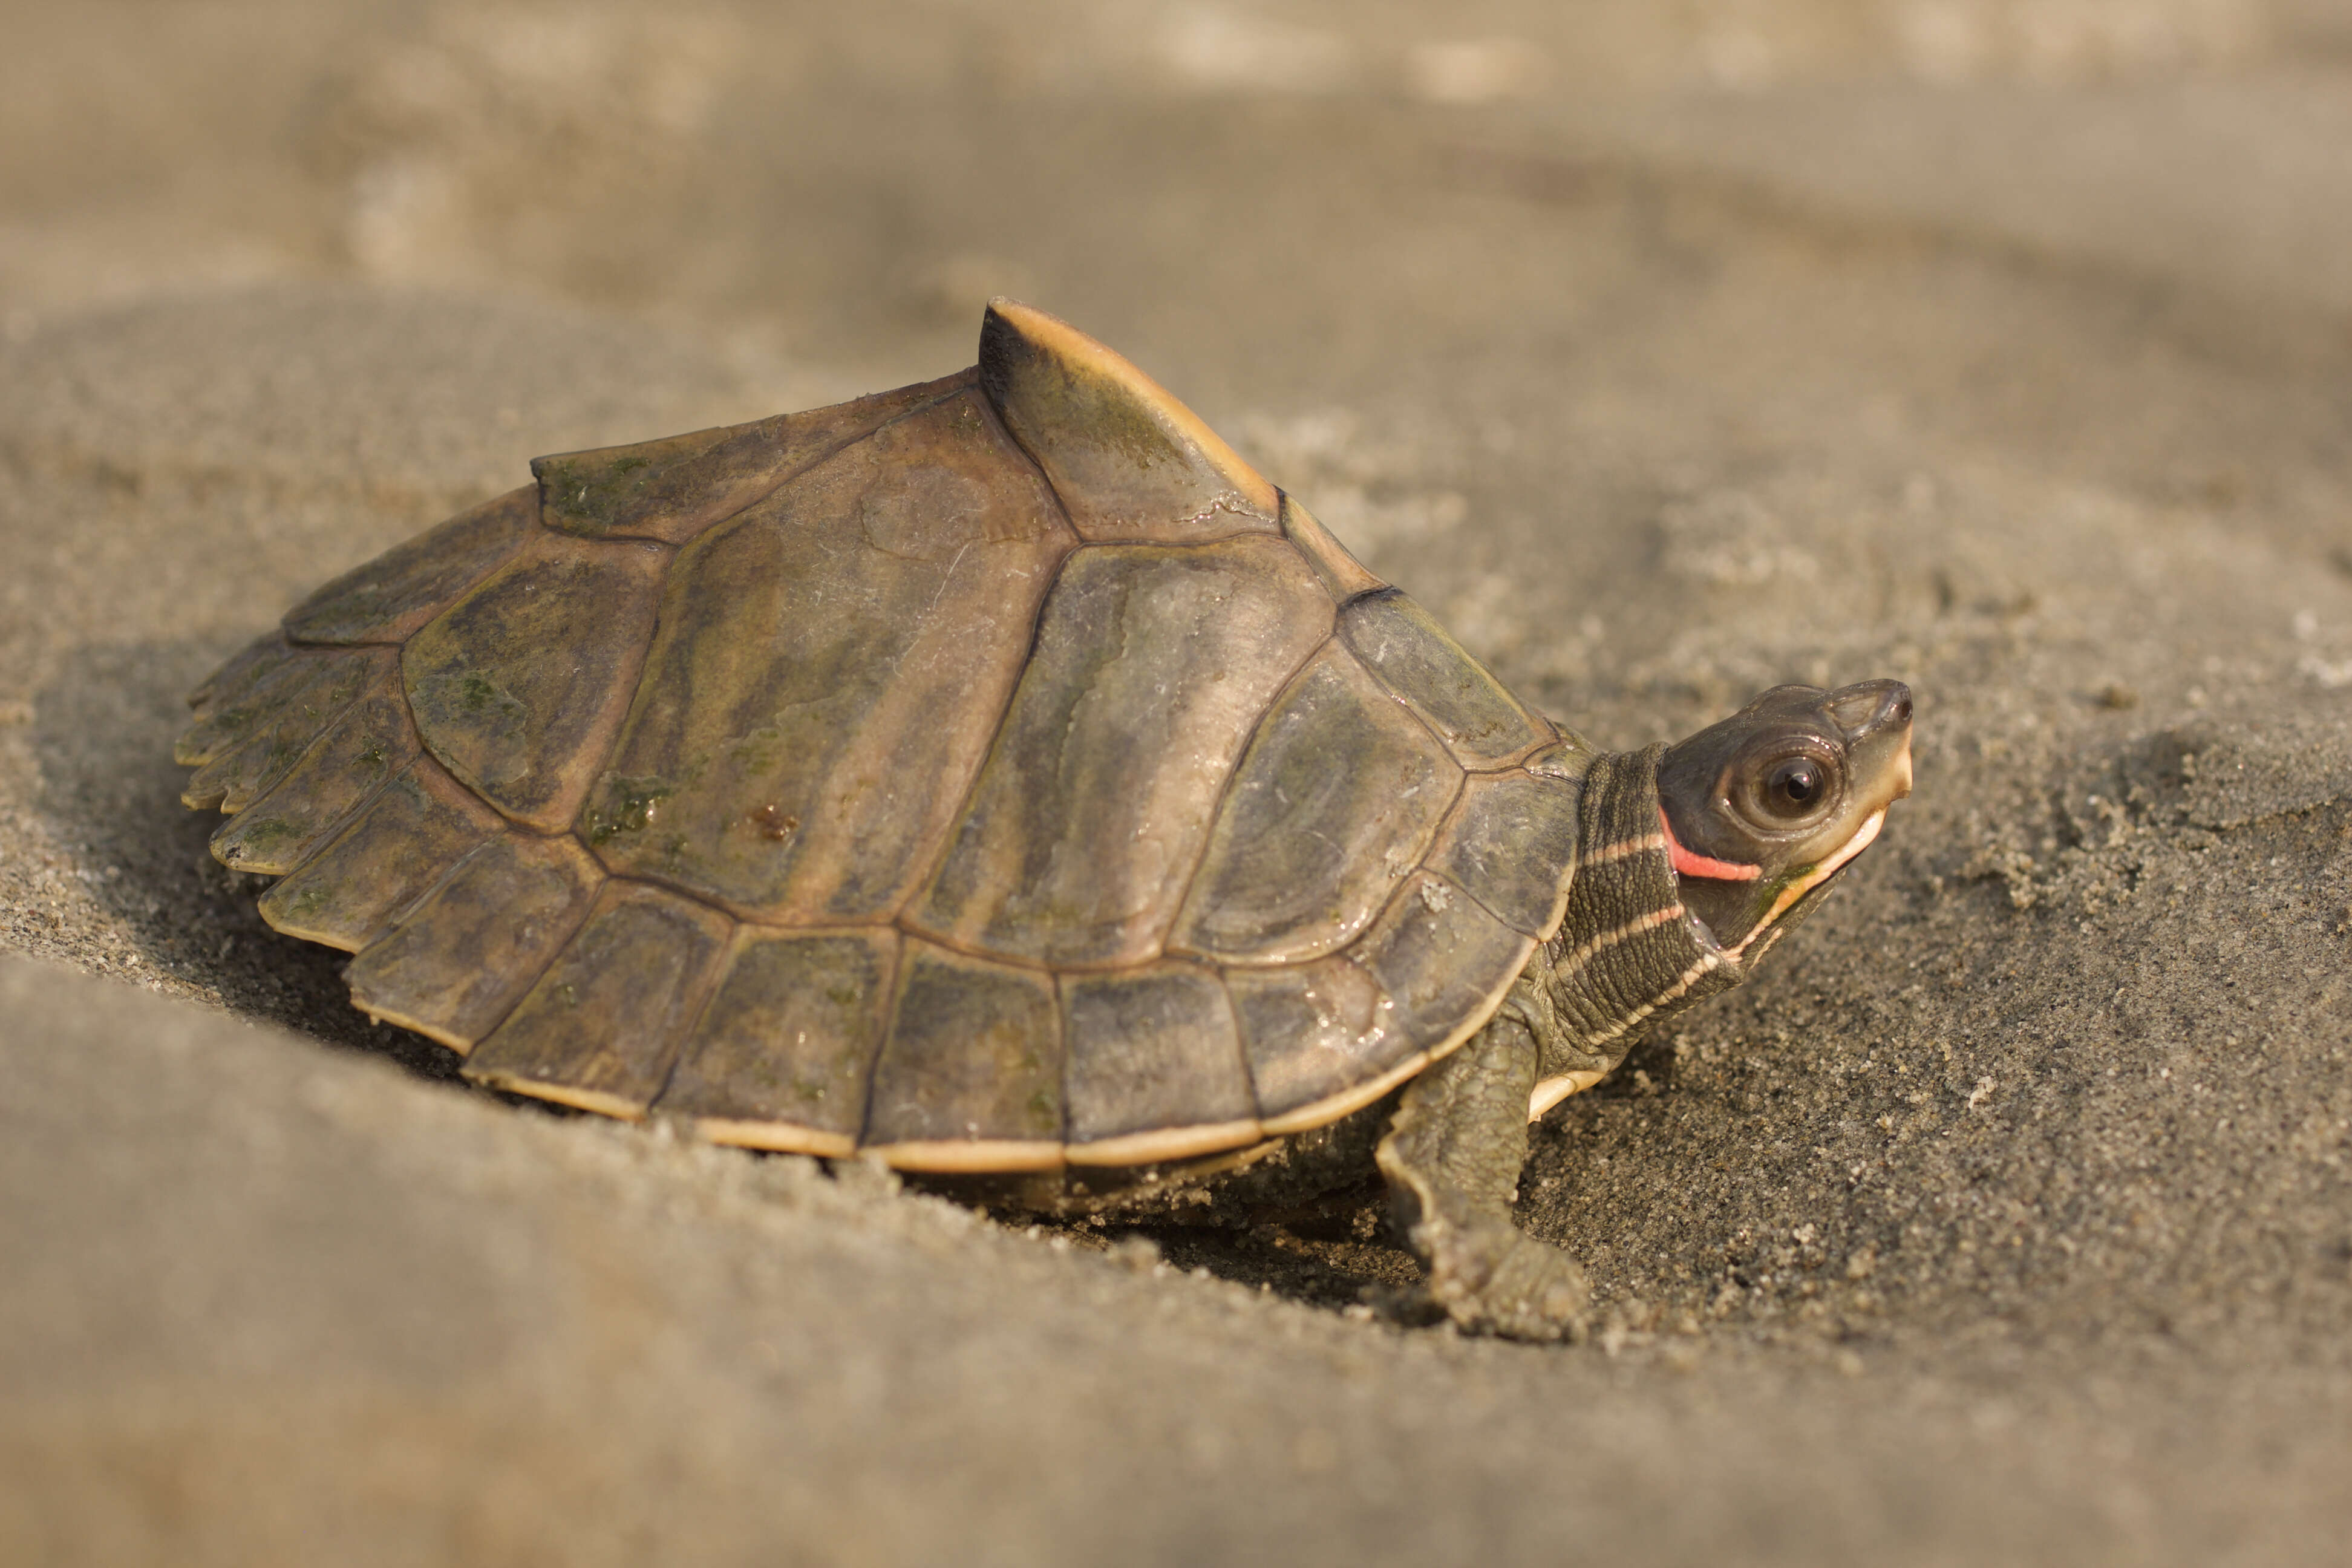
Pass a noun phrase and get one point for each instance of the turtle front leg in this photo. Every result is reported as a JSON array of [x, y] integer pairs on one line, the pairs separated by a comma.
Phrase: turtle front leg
[[1452, 1158]]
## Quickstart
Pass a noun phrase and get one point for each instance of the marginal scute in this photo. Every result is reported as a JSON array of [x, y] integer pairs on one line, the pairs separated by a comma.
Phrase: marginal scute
[[1443, 958], [279, 719], [1343, 575], [350, 761], [519, 688], [603, 1024], [1153, 1051], [240, 698], [225, 687], [1129, 462], [829, 669], [781, 1054], [1511, 845], [1312, 1031], [1152, 665], [1412, 654], [387, 600], [971, 1074], [460, 959], [673, 489], [351, 890], [1333, 805]]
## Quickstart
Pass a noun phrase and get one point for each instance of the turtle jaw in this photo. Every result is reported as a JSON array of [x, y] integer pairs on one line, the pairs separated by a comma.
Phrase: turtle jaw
[[1814, 880]]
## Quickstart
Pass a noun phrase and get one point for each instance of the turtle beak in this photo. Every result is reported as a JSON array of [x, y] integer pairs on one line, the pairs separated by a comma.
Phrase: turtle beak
[[1875, 718]]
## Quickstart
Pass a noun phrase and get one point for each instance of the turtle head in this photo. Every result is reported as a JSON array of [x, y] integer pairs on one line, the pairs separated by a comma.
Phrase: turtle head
[[1761, 810]]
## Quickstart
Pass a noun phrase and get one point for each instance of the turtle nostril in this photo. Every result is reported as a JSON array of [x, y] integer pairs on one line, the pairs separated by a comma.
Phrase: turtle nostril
[[1898, 706]]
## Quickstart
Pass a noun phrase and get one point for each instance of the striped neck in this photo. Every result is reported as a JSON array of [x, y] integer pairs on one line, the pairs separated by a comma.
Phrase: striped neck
[[1627, 952]]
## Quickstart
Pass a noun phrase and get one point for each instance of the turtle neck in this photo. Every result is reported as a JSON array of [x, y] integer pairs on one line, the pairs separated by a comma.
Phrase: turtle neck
[[1626, 952]]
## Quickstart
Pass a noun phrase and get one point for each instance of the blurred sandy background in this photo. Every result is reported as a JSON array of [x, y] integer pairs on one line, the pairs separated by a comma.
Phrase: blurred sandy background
[[1667, 350]]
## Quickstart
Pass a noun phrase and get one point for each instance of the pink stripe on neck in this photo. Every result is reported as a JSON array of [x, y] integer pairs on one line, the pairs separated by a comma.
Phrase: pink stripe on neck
[[1690, 865]]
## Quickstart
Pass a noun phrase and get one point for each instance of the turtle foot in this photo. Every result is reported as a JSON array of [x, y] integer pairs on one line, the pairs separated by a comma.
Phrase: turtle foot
[[1491, 1279]]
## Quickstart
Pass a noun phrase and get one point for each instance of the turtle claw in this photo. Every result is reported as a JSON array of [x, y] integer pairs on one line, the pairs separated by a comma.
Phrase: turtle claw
[[1491, 1279]]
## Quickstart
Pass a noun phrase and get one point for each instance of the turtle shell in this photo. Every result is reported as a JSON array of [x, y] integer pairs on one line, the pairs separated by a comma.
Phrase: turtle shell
[[995, 773]]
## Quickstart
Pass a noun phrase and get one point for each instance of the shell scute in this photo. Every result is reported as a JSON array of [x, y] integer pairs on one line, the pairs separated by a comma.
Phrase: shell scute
[[1152, 665], [1312, 1032], [456, 963], [1471, 710], [1442, 957], [1333, 805], [673, 489], [972, 1069], [351, 889], [1129, 462], [278, 719], [240, 698], [1511, 845], [783, 1053], [1154, 1066], [829, 669], [350, 761], [520, 685], [247, 667], [602, 1025], [385, 600]]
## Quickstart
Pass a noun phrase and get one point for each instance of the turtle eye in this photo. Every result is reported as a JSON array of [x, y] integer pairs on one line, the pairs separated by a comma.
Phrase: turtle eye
[[1793, 788], [1789, 790]]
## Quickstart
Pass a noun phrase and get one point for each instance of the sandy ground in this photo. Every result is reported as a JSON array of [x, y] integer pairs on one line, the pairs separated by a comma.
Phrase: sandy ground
[[1666, 351]]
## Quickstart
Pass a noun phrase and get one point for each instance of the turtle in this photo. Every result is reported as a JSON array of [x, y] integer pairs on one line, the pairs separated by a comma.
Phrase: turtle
[[998, 778]]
